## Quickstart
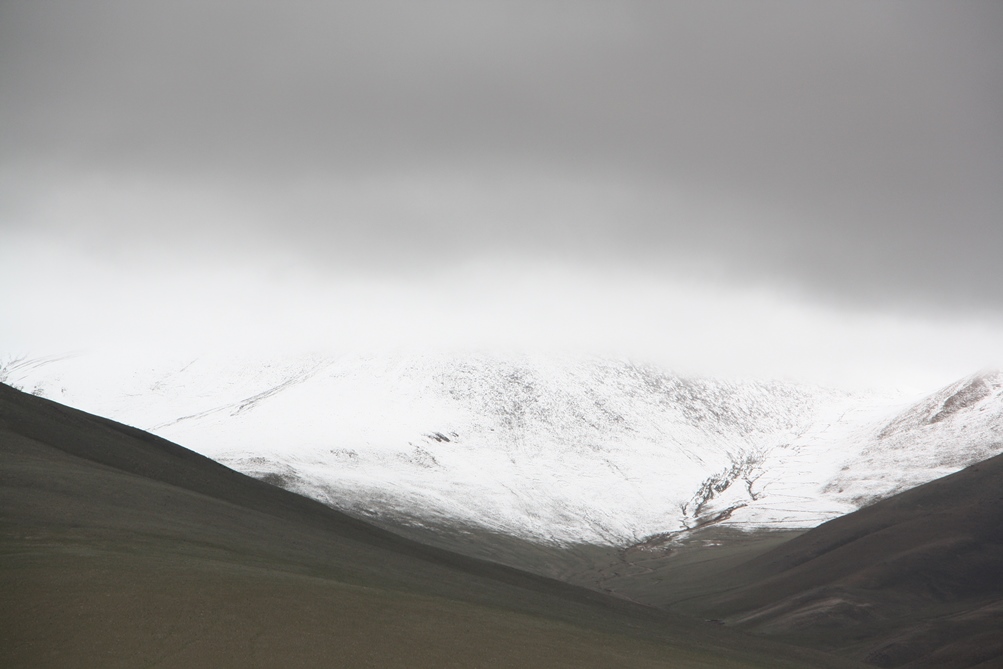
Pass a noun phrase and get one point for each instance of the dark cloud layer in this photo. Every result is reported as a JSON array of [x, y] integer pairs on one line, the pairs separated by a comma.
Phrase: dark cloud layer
[[853, 149]]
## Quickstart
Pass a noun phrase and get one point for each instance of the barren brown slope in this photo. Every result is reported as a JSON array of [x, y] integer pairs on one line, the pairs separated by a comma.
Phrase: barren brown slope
[[915, 580], [119, 549]]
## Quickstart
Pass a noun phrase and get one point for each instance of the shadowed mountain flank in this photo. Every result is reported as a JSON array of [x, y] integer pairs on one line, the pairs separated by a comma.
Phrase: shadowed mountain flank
[[915, 580], [121, 549]]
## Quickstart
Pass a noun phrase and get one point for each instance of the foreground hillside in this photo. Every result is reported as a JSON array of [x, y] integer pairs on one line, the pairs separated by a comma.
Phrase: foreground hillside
[[914, 581], [120, 549]]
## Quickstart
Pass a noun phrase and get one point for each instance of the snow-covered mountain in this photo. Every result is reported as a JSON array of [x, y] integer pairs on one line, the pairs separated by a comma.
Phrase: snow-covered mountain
[[544, 449], [952, 428]]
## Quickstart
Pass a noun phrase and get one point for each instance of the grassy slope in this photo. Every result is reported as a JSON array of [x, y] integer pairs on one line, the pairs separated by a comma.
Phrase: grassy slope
[[914, 581], [119, 549]]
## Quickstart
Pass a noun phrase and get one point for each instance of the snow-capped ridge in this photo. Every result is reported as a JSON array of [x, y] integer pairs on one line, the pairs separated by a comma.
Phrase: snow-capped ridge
[[957, 426], [948, 401], [559, 450]]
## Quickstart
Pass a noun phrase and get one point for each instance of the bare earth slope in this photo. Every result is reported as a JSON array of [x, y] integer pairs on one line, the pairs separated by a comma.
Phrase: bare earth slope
[[120, 549], [915, 580]]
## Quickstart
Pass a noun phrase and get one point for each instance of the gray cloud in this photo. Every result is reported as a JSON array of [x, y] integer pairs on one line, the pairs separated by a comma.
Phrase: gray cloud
[[852, 150]]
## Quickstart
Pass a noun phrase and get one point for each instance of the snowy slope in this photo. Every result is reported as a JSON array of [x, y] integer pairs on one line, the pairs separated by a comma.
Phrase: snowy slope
[[955, 427], [552, 450]]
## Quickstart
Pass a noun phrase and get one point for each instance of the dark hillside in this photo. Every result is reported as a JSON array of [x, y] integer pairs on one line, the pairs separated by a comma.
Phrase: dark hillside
[[915, 580], [120, 549]]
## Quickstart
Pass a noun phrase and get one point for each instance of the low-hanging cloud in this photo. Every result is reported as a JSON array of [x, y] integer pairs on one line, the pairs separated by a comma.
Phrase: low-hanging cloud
[[845, 155]]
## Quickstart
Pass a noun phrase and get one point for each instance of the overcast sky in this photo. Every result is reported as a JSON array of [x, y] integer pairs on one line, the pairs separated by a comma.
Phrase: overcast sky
[[730, 186]]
